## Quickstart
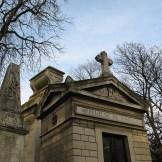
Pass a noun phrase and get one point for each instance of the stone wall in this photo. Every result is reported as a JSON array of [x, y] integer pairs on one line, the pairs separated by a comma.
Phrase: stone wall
[[57, 144], [11, 145], [84, 142], [73, 141], [79, 139], [32, 139], [86, 145], [141, 146]]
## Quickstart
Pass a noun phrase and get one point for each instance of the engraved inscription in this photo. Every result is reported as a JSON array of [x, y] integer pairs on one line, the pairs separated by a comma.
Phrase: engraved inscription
[[107, 92], [13, 84], [111, 93], [108, 116], [10, 119]]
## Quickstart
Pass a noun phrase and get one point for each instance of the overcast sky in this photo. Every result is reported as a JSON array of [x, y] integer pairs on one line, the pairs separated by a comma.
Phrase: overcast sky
[[101, 25]]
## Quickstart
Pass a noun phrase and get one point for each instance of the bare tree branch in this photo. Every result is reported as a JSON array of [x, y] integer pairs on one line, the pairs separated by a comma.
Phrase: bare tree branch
[[29, 29], [89, 70], [141, 67]]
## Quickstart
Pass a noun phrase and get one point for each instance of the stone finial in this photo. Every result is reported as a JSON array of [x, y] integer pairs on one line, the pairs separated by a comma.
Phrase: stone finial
[[105, 63], [69, 79], [10, 89], [49, 75]]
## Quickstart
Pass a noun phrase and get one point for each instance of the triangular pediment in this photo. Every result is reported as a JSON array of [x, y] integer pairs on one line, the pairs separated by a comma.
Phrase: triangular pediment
[[110, 90], [113, 92]]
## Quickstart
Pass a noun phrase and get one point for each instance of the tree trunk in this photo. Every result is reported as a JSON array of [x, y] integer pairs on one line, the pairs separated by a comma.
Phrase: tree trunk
[[160, 150]]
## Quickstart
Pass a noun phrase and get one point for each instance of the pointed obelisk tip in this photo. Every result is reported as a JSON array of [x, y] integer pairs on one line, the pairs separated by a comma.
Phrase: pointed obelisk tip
[[10, 89], [106, 62]]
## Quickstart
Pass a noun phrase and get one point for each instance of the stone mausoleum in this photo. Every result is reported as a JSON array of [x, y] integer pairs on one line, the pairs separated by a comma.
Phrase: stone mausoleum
[[94, 120]]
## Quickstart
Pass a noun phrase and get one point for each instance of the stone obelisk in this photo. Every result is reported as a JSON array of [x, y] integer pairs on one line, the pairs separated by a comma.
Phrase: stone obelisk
[[10, 90], [11, 123]]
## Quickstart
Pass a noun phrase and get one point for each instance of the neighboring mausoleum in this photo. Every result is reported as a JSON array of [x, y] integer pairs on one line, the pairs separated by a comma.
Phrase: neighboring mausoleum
[[12, 131], [94, 120]]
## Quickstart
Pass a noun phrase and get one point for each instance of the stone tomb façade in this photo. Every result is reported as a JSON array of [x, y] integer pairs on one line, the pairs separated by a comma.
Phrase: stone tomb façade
[[74, 124], [95, 120]]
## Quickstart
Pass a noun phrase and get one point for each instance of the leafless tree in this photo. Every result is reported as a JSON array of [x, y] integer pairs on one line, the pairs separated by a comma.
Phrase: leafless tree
[[29, 29], [88, 70], [142, 69]]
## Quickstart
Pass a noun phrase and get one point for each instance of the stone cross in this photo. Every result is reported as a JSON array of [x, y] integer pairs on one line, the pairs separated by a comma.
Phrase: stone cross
[[105, 63]]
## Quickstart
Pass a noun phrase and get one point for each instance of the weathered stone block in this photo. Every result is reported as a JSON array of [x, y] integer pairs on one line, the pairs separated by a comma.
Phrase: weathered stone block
[[77, 152], [78, 159], [92, 139], [85, 153], [140, 139], [78, 130], [93, 153], [76, 136], [89, 131], [78, 144], [90, 159], [143, 157], [142, 151], [90, 146], [84, 138]]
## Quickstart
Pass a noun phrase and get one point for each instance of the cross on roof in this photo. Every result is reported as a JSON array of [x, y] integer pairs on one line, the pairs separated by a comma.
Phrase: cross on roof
[[105, 63]]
